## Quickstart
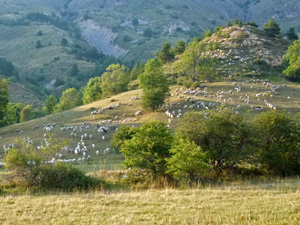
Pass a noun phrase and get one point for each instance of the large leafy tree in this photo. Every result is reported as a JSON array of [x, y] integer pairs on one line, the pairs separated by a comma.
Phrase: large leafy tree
[[187, 162], [154, 85], [279, 143], [225, 136], [194, 64], [26, 113], [115, 80], [92, 91], [3, 99], [51, 102], [293, 57], [148, 148], [271, 28], [70, 98]]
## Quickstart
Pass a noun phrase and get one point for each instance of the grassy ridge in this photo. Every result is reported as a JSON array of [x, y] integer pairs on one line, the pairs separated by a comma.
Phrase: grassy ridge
[[276, 203], [81, 114]]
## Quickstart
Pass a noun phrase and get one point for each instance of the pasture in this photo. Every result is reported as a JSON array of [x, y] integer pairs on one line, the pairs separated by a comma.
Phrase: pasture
[[237, 203], [244, 101]]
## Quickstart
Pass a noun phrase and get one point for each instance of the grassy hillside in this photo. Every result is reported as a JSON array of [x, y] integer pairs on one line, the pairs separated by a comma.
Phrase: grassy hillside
[[287, 98], [272, 203]]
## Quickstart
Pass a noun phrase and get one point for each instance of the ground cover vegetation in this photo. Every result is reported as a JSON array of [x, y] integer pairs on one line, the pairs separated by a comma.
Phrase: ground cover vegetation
[[211, 133]]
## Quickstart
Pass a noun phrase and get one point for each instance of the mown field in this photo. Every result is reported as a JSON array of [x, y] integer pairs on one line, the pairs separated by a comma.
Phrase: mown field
[[266, 203], [287, 99]]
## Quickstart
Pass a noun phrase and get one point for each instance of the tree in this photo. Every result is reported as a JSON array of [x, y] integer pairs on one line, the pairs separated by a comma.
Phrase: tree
[[3, 99], [64, 42], [228, 24], [187, 162], [225, 136], [279, 143], [50, 104], [38, 44], [26, 113], [166, 54], [115, 80], [148, 148], [292, 56], [121, 135], [92, 91], [70, 98], [271, 28], [195, 65], [135, 22], [291, 34], [137, 70], [207, 33], [154, 85], [180, 47], [74, 70]]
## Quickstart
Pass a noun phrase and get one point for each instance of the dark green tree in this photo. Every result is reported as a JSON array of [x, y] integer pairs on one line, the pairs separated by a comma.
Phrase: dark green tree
[[207, 33], [74, 70], [179, 47], [271, 28], [64, 42], [291, 34], [4, 98], [166, 54], [226, 137], [154, 85], [228, 24], [279, 143], [121, 135], [38, 44], [148, 148], [137, 70]]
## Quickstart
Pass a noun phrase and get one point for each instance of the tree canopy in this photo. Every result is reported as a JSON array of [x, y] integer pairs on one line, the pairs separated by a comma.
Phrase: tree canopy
[[92, 91], [115, 80], [3, 99], [272, 28], [154, 85], [70, 98], [292, 56]]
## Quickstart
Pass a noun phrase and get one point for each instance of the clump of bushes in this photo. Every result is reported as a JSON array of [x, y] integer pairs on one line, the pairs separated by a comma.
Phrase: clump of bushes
[[31, 169]]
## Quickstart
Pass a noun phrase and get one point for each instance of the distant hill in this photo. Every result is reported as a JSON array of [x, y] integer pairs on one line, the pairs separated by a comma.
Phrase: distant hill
[[44, 39]]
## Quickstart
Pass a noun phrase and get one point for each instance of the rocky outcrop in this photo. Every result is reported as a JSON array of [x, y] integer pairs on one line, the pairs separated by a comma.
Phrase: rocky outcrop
[[101, 38]]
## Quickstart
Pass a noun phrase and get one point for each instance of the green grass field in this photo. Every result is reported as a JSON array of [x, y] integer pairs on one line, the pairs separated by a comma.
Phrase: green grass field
[[273, 203]]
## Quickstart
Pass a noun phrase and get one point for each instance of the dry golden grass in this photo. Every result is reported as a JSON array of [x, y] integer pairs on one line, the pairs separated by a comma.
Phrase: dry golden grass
[[225, 205]]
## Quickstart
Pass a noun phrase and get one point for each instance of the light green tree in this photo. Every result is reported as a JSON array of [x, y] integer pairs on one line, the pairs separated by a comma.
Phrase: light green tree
[[70, 98], [187, 162], [51, 102], [148, 148], [115, 80], [292, 56], [92, 91], [26, 113]]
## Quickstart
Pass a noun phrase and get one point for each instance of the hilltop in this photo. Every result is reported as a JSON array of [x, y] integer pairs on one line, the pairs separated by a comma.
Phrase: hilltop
[[68, 33]]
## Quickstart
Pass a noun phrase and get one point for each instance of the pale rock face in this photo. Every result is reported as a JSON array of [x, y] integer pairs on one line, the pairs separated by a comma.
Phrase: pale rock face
[[101, 38]]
